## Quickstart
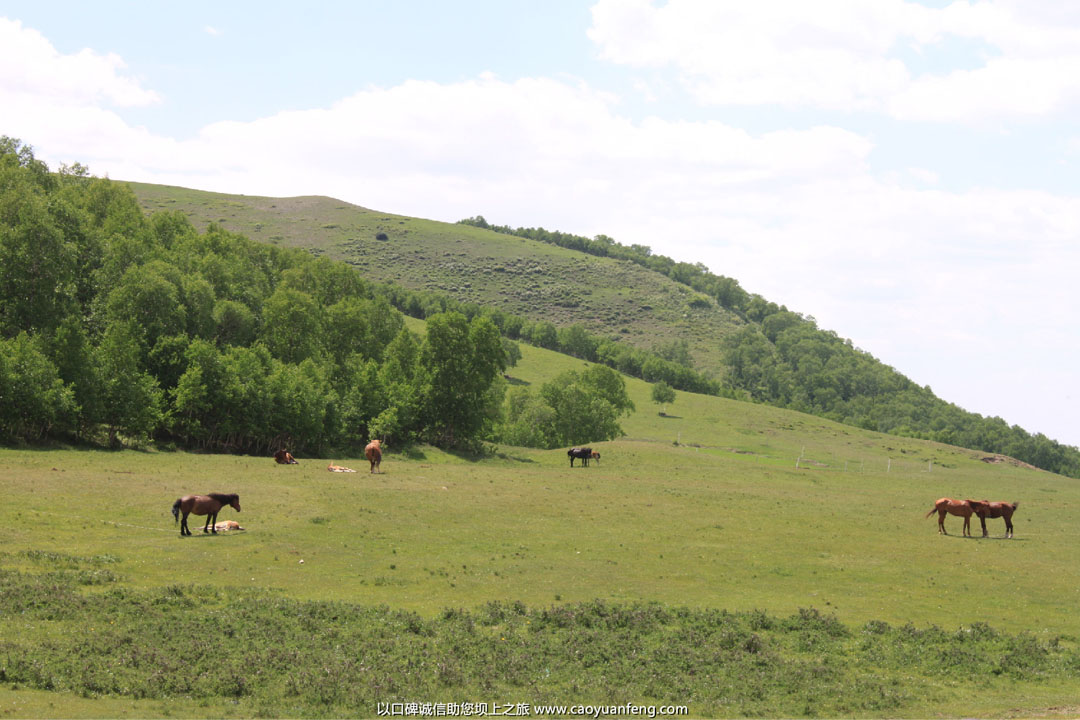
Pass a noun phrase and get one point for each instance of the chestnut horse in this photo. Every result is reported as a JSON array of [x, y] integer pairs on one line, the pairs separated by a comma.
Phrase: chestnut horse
[[985, 509], [208, 505], [373, 452], [948, 506]]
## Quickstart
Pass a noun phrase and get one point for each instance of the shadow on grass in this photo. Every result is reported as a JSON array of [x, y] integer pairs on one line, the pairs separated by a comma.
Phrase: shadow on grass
[[515, 458], [413, 452], [991, 537]]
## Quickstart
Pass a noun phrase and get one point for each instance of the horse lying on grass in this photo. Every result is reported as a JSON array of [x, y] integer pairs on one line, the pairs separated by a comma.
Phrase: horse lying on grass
[[338, 468], [208, 505], [227, 525], [284, 457]]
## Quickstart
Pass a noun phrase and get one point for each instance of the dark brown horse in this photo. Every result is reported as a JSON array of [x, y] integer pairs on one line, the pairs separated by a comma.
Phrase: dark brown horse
[[986, 509], [581, 453], [948, 506], [208, 505], [284, 457], [373, 452]]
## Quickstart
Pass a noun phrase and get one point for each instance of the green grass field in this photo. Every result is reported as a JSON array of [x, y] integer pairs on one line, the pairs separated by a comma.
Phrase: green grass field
[[703, 510]]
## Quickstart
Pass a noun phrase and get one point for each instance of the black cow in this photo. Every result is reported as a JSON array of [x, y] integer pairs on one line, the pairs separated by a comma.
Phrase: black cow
[[581, 453]]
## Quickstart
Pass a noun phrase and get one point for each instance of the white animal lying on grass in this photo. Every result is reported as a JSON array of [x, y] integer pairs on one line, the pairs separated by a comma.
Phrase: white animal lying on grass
[[338, 468], [226, 525]]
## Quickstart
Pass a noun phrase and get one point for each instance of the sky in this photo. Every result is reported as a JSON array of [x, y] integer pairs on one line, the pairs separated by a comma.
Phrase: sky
[[904, 172]]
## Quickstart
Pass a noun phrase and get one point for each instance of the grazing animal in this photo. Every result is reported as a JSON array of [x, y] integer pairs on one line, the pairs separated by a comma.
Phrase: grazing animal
[[985, 509], [373, 452], [283, 457], [948, 506], [595, 456], [227, 525], [338, 468], [582, 454], [208, 505]]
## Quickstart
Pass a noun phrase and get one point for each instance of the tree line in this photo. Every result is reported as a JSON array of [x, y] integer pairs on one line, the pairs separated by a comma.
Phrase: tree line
[[118, 328], [782, 358], [670, 364]]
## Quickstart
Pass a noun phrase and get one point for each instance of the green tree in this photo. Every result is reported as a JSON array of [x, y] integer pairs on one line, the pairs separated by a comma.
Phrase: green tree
[[576, 341], [587, 405], [528, 421], [363, 398], [663, 394], [609, 385], [131, 400], [234, 323], [37, 264], [513, 352], [292, 326], [33, 398], [72, 354], [149, 295], [459, 360]]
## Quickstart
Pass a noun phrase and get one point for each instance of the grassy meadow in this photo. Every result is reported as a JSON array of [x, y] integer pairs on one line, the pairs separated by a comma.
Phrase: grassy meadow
[[695, 564]]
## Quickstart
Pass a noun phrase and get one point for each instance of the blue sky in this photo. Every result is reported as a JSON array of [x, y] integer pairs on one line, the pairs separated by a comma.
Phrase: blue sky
[[905, 172]]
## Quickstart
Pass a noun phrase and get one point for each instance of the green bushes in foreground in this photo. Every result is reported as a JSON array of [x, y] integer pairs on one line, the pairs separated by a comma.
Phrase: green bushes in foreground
[[277, 656]]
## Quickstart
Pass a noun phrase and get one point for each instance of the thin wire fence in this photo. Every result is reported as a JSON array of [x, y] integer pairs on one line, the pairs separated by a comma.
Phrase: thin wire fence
[[811, 459]]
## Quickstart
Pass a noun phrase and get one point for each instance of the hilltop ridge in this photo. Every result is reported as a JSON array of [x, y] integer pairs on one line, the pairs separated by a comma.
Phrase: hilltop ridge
[[525, 277]]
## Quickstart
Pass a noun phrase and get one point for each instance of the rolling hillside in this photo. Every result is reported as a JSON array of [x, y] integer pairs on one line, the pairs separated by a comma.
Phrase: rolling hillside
[[525, 277], [759, 350]]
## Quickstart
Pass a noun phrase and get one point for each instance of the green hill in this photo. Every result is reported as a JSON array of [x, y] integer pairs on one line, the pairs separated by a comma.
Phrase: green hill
[[754, 348], [525, 277]]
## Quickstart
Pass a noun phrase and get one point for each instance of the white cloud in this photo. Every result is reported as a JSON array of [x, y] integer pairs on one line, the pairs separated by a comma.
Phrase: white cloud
[[31, 66], [846, 54], [927, 177], [211, 30]]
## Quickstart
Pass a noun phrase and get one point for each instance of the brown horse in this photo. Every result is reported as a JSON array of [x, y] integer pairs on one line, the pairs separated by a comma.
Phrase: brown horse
[[373, 452], [948, 506], [284, 457], [595, 456], [985, 509], [208, 505]]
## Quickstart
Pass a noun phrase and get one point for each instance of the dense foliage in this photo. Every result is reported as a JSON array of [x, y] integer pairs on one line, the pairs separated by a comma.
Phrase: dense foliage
[[670, 364], [784, 359], [572, 409], [117, 327], [789, 362], [282, 657]]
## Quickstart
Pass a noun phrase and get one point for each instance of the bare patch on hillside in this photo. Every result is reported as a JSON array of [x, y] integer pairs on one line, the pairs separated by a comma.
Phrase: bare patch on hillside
[[999, 459]]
